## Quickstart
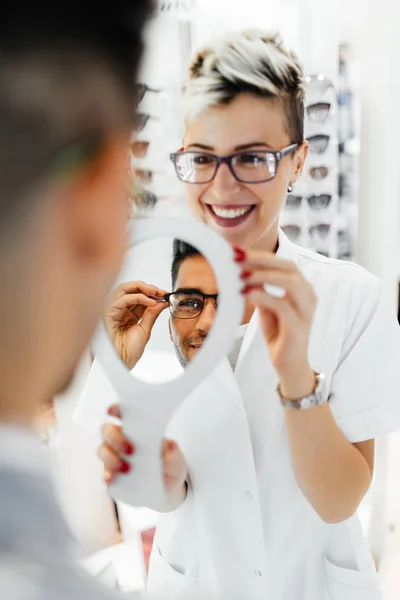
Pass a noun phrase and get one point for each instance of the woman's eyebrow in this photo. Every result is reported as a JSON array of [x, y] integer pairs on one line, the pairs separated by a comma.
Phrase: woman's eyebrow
[[237, 148]]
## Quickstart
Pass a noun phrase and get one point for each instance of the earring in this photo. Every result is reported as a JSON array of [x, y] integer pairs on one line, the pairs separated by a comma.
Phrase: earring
[[290, 188]]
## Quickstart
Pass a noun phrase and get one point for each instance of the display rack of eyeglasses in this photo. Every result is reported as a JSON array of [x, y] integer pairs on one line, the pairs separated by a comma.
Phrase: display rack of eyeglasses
[[158, 123], [321, 211]]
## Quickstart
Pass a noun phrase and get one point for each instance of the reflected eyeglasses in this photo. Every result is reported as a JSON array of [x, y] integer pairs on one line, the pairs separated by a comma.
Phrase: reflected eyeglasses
[[187, 303], [247, 166]]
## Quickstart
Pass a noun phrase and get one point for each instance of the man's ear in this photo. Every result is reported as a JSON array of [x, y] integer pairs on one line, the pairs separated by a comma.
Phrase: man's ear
[[171, 337], [97, 209]]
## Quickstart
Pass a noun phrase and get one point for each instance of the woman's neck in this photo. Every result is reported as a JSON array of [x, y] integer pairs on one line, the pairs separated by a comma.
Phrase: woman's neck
[[269, 242]]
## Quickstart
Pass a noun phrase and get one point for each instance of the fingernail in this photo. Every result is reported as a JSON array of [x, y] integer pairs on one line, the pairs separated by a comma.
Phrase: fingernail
[[240, 254], [246, 289], [171, 446], [107, 477], [124, 468], [245, 274], [128, 448]]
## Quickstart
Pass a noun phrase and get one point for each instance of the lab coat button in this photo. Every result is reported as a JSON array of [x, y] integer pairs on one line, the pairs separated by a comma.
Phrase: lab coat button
[[257, 573], [249, 496]]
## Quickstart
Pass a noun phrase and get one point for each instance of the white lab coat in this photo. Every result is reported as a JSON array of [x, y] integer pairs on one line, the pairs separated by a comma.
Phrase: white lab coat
[[245, 529]]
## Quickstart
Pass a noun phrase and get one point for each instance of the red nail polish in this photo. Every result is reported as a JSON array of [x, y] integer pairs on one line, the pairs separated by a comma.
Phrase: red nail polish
[[125, 468], [128, 448], [171, 446], [240, 254], [245, 274], [246, 289]]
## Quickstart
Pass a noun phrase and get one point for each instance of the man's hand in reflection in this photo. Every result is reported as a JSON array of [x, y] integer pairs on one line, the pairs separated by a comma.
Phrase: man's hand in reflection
[[116, 447], [130, 317]]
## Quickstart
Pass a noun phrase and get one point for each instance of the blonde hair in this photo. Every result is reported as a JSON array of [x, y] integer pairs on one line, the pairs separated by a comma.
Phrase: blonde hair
[[249, 61]]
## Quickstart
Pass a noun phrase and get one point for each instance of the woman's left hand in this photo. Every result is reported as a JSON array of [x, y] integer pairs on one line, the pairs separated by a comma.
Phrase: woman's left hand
[[286, 321]]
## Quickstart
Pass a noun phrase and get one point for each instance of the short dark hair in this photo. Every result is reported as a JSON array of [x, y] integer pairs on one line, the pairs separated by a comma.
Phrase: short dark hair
[[180, 251], [67, 79]]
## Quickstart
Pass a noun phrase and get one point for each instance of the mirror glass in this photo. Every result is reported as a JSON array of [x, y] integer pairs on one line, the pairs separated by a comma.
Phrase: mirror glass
[[161, 312]]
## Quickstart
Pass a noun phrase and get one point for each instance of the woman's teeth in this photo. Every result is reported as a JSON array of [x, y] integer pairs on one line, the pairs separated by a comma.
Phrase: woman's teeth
[[230, 213]]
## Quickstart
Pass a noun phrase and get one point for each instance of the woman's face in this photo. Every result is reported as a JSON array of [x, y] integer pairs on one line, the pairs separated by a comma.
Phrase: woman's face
[[247, 123]]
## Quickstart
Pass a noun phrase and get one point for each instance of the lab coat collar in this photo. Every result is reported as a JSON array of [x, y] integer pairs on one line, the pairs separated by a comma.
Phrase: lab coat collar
[[287, 251]]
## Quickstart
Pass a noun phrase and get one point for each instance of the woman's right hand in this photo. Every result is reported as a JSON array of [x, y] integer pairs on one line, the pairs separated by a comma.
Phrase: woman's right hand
[[115, 449], [130, 317]]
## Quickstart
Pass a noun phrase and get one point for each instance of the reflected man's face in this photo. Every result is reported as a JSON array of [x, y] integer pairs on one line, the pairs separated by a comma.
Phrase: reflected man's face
[[188, 335]]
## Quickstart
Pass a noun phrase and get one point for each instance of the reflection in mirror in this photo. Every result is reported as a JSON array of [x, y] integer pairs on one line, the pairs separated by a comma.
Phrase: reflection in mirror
[[159, 317]]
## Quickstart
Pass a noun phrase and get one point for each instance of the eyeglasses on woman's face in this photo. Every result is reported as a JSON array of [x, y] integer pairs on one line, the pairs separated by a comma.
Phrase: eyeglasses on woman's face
[[247, 166]]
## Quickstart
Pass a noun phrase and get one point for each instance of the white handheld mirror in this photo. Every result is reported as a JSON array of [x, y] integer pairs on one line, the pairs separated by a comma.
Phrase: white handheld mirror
[[147, 407]]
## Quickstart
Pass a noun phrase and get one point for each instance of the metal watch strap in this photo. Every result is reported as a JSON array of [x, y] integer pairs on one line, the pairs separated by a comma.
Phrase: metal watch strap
[[316, 398]]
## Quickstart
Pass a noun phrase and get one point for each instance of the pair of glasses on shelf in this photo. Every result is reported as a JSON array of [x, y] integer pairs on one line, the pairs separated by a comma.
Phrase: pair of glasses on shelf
[[142, 89], [186, 303], [141, 121], [318, 173], [139, 149], [293, 232], [315, 201], [318, 143], [320, 112], [318, 83]]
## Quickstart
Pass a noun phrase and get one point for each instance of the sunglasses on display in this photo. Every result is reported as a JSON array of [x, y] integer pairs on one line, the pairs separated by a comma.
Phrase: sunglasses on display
[[318, 143], [318, 83], [141, 121], [293, 232], [318, 173], [319, 112], [139, 149], [142, 89], [321, 230], [143, 199], [144, 175], [186, 303], [247, 166], [315, 201]]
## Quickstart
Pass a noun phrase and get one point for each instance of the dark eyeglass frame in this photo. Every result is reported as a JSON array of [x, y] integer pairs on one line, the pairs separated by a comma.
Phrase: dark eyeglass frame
[[189, 292], [227, 159]]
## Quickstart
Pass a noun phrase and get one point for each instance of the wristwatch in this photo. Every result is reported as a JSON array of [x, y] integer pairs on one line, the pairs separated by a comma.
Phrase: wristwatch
[[317, 397]]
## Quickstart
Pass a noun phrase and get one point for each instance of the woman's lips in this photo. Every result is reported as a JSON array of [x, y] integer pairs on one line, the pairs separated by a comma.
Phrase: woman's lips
[[226, 214]]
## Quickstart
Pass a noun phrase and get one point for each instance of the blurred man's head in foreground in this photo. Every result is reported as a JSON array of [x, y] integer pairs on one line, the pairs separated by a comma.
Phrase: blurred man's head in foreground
[[67, 109]]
